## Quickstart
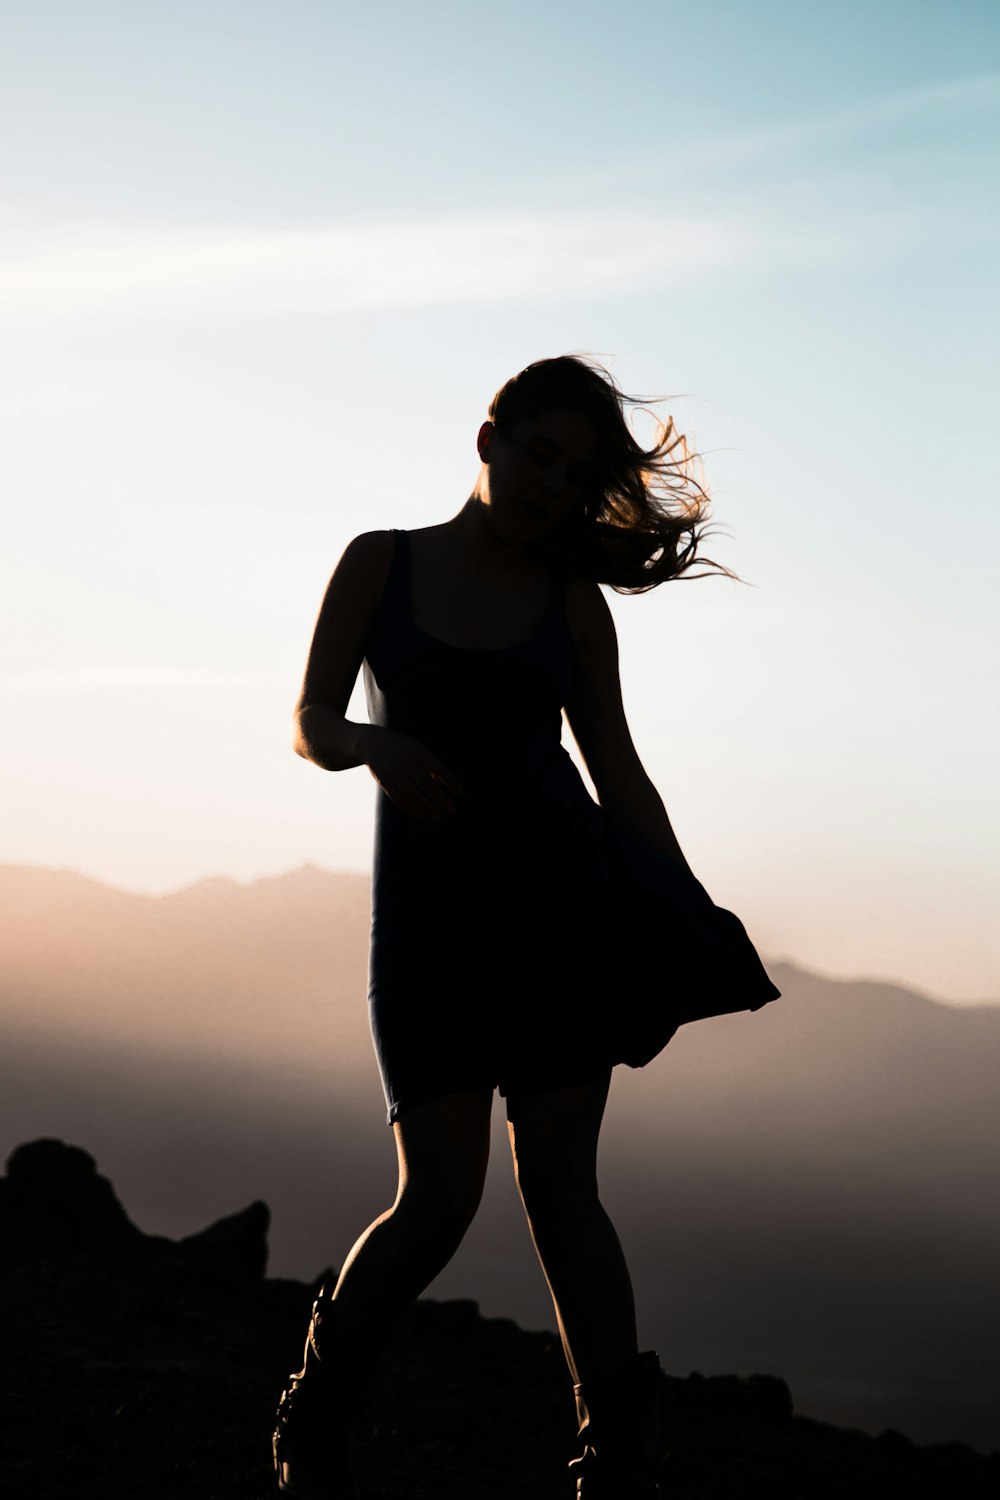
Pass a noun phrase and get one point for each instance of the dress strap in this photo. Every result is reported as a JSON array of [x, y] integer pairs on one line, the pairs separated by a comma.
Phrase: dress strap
[[399, 568], [399, 579], [392, 612]]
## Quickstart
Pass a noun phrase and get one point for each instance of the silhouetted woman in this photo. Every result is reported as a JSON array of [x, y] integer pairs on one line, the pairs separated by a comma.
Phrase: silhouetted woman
[[523, 936]]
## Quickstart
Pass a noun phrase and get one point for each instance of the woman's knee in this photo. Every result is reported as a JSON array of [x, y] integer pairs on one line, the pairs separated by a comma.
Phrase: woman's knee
[[440, 1206], [557, 1182], [555, 1193], [553, 1141]]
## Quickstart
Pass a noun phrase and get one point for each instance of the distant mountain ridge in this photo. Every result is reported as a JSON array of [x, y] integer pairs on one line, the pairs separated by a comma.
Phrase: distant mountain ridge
[[202, 964], [29, 892], [813, 1189]]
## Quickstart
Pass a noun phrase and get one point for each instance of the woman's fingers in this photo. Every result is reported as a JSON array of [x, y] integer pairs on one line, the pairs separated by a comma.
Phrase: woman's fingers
[[438, 790], [447, 787], [441, 775], [444, 776], [413, 777], [416, 806], [422, 798]]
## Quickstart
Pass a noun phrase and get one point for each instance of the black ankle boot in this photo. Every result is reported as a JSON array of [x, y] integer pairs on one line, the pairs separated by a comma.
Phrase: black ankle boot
[[317, 1414], [619, 1419]]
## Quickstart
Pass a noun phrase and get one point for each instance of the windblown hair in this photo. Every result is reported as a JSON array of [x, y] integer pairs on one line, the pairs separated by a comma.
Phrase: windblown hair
[[644, 519]]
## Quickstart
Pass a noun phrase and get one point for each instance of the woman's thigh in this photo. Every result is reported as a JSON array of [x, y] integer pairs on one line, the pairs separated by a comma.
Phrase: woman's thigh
[[443, 1150]]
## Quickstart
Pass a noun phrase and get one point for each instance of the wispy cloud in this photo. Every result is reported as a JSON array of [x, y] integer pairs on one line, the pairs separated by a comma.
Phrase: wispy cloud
[[467, 258], [933, 103], [479, 257], [118, 679]]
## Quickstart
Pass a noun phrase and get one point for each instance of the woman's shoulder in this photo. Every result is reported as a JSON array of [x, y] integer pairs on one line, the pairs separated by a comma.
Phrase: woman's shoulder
[[370, 547], [368, 557], [361, 574]]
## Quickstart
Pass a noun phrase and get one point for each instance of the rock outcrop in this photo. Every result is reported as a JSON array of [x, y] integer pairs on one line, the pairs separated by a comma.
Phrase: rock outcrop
[[137, 1366]]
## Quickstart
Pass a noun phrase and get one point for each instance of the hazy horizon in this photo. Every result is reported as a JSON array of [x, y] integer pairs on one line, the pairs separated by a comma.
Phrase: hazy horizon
[[221, 877]]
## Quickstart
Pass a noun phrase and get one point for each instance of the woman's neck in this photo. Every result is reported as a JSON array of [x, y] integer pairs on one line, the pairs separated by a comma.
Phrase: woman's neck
[[475, 539]]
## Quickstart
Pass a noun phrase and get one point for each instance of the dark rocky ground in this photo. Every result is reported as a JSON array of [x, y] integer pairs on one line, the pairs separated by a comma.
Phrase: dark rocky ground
[[136, 1366]]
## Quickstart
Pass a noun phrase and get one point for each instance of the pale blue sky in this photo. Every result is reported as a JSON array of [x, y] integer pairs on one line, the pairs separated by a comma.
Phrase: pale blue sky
[[262, 267]]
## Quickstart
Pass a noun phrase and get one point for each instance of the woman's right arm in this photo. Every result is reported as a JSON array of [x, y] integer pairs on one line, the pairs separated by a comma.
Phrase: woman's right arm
[[320, 731], [407, 771]]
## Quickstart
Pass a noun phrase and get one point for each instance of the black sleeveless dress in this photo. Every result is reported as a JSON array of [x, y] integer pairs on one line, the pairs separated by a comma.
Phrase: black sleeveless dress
[[527, 940]]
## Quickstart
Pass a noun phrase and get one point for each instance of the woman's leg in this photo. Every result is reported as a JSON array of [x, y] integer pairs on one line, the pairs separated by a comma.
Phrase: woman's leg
[[442, 1149], [553, 1137]]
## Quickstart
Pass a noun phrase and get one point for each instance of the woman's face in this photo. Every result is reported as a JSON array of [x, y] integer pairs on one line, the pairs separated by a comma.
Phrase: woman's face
[[536, 472]]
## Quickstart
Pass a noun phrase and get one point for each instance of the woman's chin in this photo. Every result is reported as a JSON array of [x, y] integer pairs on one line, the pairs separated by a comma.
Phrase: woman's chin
[[520, 525]]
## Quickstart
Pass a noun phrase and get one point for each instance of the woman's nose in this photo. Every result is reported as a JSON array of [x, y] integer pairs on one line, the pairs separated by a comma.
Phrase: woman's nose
[[556, 477]]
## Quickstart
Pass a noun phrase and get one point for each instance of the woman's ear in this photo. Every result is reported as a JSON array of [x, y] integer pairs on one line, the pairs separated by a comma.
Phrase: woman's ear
[[484, 439]]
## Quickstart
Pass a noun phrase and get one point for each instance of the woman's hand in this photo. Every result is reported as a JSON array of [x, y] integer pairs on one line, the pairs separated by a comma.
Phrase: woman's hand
[[411, 776]]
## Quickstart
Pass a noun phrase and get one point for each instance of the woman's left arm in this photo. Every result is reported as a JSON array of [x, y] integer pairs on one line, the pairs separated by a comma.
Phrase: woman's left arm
[[597, 719]]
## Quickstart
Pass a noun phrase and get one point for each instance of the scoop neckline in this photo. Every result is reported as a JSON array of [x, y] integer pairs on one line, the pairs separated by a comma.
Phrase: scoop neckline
[[438, 640], [480, 650]]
